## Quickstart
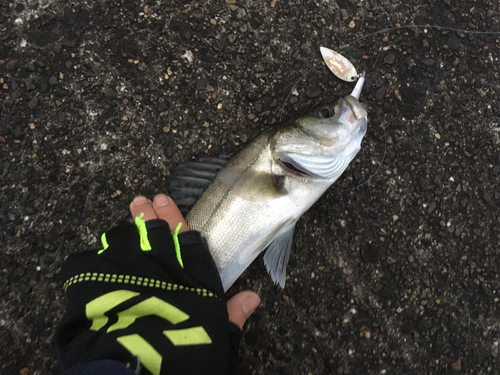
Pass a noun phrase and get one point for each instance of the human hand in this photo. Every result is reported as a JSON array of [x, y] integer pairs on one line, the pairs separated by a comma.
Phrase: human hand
[[151, 296]]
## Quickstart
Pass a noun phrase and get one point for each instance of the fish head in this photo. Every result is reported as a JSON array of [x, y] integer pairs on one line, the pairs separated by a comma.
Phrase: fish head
[[321, 145]]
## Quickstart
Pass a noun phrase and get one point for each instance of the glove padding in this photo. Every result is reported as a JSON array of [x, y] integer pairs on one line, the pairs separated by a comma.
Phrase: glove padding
[[146, 302]]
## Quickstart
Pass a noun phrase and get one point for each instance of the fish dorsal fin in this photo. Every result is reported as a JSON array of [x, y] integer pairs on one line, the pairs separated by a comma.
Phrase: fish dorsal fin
[[193, 178], [278, 253]]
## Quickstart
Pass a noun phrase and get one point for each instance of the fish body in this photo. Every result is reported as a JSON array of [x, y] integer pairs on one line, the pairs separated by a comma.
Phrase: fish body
[[257, 198]]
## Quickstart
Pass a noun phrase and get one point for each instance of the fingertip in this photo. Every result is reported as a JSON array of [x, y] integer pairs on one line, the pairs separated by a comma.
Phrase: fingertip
[[141, 205], [241, 306], [161, 200], [167, 210]]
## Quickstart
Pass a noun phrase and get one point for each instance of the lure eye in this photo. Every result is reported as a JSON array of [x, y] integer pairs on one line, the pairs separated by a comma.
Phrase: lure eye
[[324, 112]]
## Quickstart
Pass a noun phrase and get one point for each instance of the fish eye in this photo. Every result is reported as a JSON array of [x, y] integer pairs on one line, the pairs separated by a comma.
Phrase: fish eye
[[324, 112]]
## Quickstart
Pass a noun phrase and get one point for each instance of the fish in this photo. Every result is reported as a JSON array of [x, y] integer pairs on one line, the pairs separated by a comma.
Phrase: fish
[[252, 201]]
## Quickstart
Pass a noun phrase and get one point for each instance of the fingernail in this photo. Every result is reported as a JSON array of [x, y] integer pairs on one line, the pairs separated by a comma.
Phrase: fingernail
[[161, 200], [250, 303], [140, 200]]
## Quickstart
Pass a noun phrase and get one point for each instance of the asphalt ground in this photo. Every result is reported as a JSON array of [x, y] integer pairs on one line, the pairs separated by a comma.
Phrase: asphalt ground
[[395, 270]]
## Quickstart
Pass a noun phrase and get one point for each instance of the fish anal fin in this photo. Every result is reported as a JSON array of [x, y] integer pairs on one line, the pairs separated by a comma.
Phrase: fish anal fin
[[278, 253]]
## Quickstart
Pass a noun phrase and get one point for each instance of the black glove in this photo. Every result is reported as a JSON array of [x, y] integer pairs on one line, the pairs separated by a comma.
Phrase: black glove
[[141, 302]]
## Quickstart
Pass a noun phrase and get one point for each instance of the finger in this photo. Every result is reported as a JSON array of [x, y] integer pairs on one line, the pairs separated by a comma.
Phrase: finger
[[241, 306], [167, 210], [142, 205]]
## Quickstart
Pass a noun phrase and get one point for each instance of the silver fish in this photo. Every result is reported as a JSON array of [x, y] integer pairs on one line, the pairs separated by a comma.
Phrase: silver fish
[[257, 198]]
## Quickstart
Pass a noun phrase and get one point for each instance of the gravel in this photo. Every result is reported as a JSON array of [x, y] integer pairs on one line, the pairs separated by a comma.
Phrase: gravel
[[97, 104]]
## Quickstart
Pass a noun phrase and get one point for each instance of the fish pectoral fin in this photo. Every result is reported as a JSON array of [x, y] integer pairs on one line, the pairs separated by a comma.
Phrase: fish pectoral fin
[[252, 185], [278, 253]]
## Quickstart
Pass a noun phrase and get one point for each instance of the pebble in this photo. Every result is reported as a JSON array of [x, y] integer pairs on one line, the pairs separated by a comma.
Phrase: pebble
[[258, 107], [457, 365], [454, 42], [175, 24], [20, 272], [11, 64], [370, 254], [231, 2], [24, 371], [69, 64], [293, 24], [306, 48], [185, 35], [25, 288], [424, 325], [169, 150], [33, 103], [162, 106], [313, 92], [429, 62], [240, 13], [61, 93], [380, 93], [53, 81], [110, 92], [298, 64], [201, 84], [307, 238], [389, 59], [44, 87]]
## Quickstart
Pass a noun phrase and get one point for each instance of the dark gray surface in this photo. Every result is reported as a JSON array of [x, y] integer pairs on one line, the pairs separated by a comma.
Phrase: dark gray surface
[[410, 259]]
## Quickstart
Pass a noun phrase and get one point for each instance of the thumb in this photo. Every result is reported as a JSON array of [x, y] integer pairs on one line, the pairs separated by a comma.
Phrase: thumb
[[241, 306]]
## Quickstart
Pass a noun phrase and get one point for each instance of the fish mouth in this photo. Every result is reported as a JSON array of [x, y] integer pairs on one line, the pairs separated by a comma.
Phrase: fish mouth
[[313, 166], [292, 169], [356, 92]]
